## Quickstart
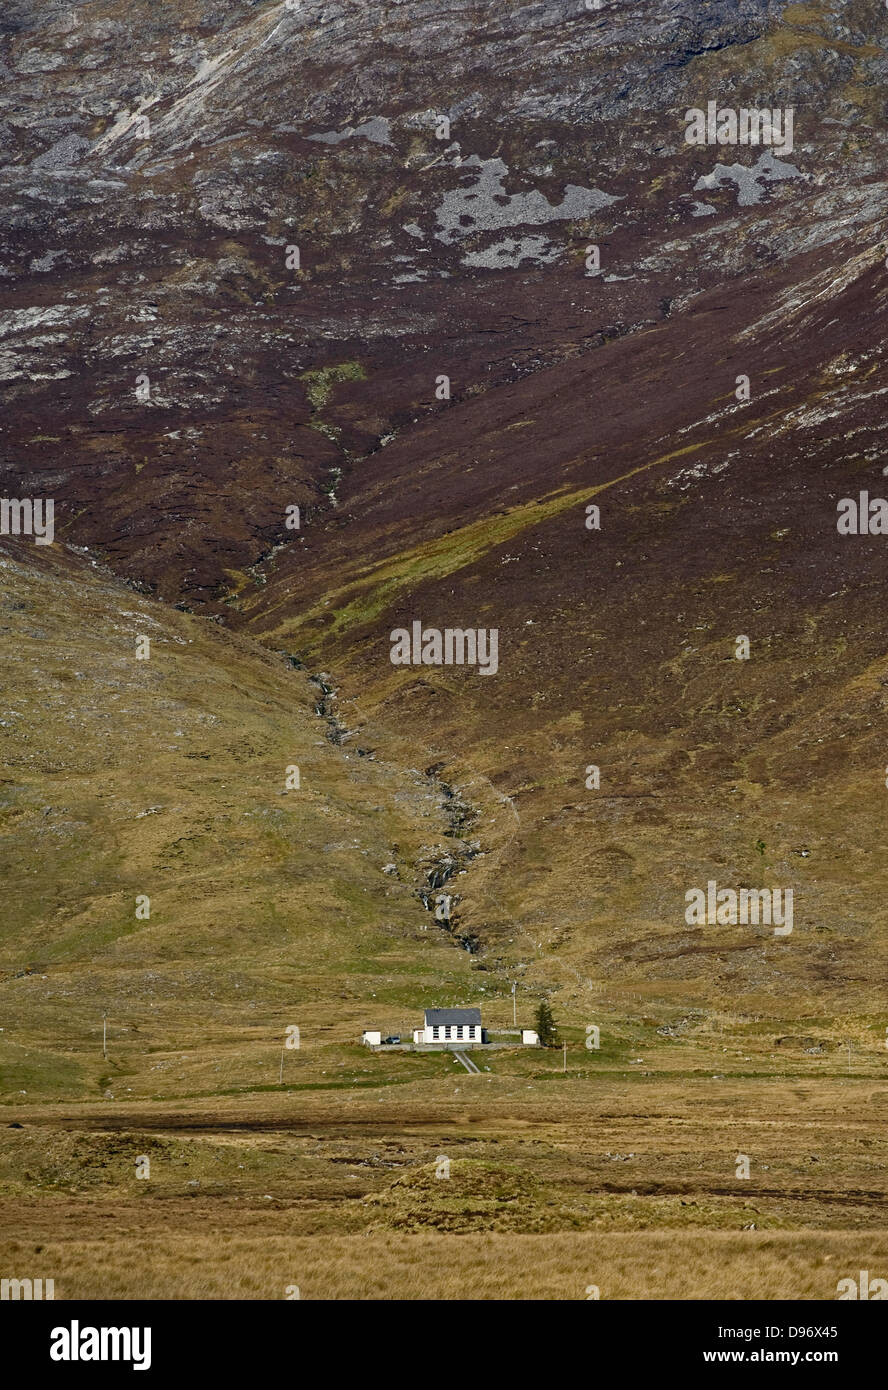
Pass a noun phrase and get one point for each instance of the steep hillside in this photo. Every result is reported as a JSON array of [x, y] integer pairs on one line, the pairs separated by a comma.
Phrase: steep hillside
[[166, 778], [179, 376], [617, 647], [243, 252]]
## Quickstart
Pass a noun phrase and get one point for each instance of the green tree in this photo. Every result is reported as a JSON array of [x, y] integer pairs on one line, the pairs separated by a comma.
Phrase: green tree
[[545, 1024]]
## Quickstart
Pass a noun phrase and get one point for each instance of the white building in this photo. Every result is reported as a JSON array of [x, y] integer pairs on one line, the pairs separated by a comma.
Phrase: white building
[[529, 1037], [372, 1037], [461, 1027]]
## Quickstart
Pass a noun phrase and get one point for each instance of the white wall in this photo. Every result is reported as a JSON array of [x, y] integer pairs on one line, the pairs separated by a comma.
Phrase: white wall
[[471, 1033]]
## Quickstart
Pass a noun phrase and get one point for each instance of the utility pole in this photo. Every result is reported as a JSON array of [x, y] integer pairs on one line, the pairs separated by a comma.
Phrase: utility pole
[[514, 1006], [564, 1068], [105, 1036], [281, 1077]]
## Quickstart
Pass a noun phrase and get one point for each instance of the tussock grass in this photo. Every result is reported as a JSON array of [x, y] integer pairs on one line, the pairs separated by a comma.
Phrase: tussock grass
[[222, 1263]]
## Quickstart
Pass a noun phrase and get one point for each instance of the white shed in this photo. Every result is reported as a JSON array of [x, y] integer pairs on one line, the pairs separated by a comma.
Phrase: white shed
[[372, 1037], [530, 1038]]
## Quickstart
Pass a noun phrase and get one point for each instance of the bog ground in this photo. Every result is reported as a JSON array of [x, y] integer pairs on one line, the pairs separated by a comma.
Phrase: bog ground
[[556, 1184]]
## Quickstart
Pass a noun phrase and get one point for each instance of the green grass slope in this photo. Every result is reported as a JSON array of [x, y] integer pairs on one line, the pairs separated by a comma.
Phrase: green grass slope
[[165, 777]]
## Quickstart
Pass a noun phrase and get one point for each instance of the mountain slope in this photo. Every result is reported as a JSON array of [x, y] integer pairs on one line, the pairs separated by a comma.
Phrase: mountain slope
[[166, 778], [177, 380]]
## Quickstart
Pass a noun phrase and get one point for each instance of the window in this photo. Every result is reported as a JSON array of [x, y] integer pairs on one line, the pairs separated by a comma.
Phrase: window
[[434, 1033], [447, 1031]]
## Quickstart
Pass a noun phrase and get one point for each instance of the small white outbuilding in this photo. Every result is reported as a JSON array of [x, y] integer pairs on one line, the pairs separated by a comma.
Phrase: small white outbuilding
[[372, 1037], [530, 1038]]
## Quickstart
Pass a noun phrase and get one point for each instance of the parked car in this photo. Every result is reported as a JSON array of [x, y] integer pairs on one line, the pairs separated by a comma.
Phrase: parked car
[[395, 1038]]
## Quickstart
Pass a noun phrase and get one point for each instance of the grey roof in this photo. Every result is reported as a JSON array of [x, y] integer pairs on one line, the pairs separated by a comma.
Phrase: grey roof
[[435, 1017]]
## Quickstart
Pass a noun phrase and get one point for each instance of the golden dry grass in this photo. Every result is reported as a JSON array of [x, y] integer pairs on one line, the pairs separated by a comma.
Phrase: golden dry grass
[[222, 1255], [628, 1185]]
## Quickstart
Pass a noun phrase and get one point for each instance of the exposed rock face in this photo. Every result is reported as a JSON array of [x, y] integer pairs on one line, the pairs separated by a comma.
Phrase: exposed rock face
[[244, 243]]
